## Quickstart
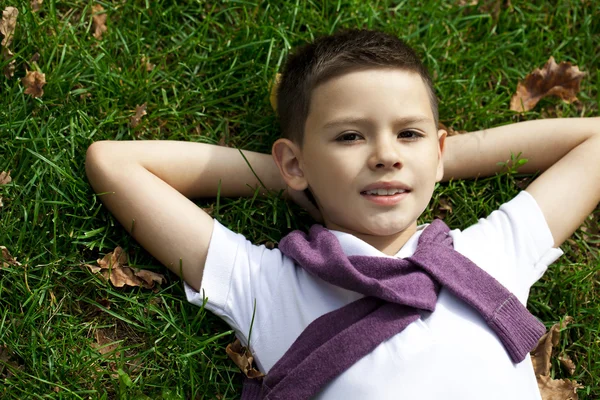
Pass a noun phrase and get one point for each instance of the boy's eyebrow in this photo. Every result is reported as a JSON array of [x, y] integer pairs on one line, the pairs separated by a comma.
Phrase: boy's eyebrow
[[357, 121]]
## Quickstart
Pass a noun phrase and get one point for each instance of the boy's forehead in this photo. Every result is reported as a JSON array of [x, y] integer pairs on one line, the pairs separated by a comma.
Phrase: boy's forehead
[[376, 91]]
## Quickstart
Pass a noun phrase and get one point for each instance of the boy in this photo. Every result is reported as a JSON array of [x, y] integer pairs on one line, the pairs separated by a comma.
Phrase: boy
[[360, 131]]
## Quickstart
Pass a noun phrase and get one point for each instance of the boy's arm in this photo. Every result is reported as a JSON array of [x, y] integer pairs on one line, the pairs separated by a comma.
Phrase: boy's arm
[[146, 186], [566, 149]]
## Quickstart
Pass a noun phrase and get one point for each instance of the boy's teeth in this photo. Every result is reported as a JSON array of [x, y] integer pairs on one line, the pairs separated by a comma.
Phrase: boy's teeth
[[385, 192]]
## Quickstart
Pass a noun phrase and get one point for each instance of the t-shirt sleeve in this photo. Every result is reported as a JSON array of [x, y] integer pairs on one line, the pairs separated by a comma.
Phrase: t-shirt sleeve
[[514, 243], [238, 276]]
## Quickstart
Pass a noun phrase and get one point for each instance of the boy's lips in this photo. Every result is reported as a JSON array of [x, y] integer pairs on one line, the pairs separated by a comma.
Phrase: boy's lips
[[387, 186]]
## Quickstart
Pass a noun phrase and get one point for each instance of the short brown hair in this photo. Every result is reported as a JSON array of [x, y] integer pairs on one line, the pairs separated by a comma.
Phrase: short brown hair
[[334, 55]]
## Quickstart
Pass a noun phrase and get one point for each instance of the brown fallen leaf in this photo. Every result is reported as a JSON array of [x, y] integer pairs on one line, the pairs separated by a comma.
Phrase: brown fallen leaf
[[148, 66], [444, 208], [98, 21], [135, 119], [9, 69], [540, 356], [5, 178], [7, 362], [36, 5], [149, 278], [6, 259], [33, 82], [274, 88], [553, 389], [243, 358], [112, 267], [558, 389], [105, 343], [566, 362], [8, 25], [561, 80]]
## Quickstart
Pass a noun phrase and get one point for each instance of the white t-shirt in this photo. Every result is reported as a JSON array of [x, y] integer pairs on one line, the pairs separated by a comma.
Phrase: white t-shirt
[[448, 354]]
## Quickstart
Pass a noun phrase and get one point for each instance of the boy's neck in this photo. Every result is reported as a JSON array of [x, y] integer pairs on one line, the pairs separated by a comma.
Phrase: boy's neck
[[388, 245]]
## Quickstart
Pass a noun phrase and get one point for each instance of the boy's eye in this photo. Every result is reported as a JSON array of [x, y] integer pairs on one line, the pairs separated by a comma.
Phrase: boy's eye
[[410, 134], [352, 137], [348, 137]]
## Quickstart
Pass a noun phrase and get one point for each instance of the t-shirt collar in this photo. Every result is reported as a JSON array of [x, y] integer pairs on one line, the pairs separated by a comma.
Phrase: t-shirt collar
[[354, 246]]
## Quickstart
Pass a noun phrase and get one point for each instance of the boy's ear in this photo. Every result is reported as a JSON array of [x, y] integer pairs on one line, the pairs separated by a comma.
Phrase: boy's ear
[[288, 157], [442, 135]]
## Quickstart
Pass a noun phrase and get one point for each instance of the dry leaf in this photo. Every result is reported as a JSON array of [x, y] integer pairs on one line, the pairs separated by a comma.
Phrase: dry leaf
[[558, 389], [444, 208], [149, 278], [105, 343], [135, 119], [566, 362], [36, 5], [93, 268], [121, 276], [5, 178], [98, 21], [561, 80], [33, 82], [553, 389], [6, 259], [114, 259], [112, 268], [274, 88], [243, 358], [7, 357], [8, 25], [147, 65], [540, 356], [9, 69]]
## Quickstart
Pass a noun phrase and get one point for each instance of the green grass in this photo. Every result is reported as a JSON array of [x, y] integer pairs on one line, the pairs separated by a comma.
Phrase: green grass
[[214, 62]]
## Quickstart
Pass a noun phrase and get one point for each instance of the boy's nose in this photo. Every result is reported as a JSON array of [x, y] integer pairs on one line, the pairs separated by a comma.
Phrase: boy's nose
[[385, 155]]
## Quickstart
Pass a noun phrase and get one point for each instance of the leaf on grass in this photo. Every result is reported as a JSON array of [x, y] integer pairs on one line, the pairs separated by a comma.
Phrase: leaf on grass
[[274, 88], [540, 356], [7, 28], [553, 389], [7, 362], [566, 362], [98, 21], [5, 178], [148, 66], [243, 358], [561, 80], [6, 259], [558, 389], [104, 342], [112, 267], [9, 69], [8, 25], [36, 5], [33, 82], [444, 208], [135, 119]]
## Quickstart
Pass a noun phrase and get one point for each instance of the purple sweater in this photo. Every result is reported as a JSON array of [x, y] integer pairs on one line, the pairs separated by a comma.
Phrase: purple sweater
[[395, 289]]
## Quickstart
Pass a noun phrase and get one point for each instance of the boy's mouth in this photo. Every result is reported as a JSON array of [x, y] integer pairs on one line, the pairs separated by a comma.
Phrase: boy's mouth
[[382, 188], [383, 192]]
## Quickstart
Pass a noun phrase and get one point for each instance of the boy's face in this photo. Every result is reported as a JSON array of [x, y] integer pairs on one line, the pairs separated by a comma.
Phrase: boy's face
[[355, 138]]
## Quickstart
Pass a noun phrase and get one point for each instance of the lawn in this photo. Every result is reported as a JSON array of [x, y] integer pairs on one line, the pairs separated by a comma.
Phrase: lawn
[[203, 70]]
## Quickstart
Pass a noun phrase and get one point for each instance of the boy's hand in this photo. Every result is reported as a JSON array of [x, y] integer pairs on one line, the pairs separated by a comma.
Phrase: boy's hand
[[302, 200]]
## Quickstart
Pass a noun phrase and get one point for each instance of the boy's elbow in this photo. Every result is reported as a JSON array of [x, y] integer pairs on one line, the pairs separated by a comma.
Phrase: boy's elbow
[[95, 156]]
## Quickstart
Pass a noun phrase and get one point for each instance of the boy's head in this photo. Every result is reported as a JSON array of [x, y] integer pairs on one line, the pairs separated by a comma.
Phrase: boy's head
[[330, 56], [358, 113]]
